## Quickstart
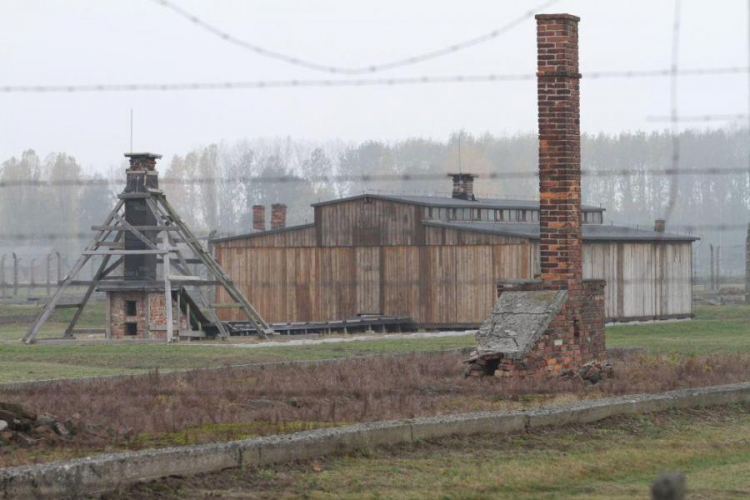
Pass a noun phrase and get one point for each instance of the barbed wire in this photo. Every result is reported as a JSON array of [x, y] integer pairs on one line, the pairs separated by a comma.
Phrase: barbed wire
[[698, 118], [364, 178], [356, 82], [680, 228], [344, 70]]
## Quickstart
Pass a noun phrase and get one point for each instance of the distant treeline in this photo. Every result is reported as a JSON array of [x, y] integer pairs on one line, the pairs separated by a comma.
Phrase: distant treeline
[[634, 197]]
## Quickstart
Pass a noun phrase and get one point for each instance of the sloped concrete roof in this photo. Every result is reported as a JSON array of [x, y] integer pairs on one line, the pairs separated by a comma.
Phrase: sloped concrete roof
[[517, 321]]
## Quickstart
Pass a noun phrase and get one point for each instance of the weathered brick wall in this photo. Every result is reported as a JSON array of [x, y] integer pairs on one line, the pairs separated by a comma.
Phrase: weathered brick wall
[[576, 335], [278, 216], [259, 217], [118, 317], [559, 151], [155, 327], [573, 338]]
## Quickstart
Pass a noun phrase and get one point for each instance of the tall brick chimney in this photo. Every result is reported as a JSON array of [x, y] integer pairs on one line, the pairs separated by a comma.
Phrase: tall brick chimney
[[278, 216], [559, 151], [141, 176], [259, 217], [463, 186]]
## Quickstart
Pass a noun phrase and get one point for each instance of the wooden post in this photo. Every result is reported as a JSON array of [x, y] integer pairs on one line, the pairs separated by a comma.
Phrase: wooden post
[[167, 292], [77, 267]]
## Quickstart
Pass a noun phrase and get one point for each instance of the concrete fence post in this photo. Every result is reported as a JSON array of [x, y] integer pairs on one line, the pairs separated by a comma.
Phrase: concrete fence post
[[32, 278], [2, 276], [712, 277], [16, 260], [59, 267], [49, 274]]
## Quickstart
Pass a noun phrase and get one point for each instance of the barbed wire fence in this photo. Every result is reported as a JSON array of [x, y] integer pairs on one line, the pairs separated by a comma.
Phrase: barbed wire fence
[[675, 171]]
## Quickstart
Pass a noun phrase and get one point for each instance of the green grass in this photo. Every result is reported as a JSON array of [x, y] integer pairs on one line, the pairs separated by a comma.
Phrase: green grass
[[614, 459], [715, 330], [723, 329]]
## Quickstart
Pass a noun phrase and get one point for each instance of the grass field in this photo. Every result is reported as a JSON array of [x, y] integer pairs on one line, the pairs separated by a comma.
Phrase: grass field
[[614, 459], [715, 330]]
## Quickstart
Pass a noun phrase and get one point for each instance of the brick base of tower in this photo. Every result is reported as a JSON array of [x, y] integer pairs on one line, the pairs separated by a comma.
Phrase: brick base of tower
[[573, 338], [141, 315]]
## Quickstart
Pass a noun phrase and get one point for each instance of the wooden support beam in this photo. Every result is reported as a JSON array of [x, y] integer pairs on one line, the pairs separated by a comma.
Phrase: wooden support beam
[[140, 228], [126, 252], [112, 244], [103, 269], [252, 314], [168, 297], [186, 237], [82, 260], [133, 196], [187, 261]]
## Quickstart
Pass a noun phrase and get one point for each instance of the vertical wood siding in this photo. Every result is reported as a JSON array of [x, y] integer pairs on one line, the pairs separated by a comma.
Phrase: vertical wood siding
[[434, 285], [643, 279]]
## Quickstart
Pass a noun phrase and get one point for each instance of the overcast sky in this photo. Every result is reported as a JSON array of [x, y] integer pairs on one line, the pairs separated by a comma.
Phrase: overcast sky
[[139, 41]]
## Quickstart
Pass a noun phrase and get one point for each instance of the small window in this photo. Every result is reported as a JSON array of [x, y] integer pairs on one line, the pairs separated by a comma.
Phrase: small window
[[131, 328], [535, 215], [130, 308], [498, 215]]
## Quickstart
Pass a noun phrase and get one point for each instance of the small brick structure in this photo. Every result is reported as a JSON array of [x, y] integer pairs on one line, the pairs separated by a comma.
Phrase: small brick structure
[[142, 315], [278, 216], [259, 217], [463, 186], [574, 334]]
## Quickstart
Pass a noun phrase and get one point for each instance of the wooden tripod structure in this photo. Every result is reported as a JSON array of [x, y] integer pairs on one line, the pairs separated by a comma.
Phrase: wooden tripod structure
[[108, 243]]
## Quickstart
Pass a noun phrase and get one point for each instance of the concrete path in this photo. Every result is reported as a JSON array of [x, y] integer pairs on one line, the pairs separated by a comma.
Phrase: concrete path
[[335, 340]]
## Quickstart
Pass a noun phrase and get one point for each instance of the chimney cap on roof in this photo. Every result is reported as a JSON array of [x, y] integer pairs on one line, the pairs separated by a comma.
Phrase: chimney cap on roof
[[463, 186], [150, 156]]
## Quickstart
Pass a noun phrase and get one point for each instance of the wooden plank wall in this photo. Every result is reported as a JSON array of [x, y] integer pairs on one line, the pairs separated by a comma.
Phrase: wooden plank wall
[[370, 222], [448, 236], [303, 236], [435, 285], [643, 279]]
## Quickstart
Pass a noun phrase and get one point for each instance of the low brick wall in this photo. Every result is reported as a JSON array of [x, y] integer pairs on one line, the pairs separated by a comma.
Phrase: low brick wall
[[74, 478], [575, 337]]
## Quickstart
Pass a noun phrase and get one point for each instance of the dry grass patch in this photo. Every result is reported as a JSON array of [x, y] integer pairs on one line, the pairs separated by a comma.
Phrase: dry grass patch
[[204, 406]]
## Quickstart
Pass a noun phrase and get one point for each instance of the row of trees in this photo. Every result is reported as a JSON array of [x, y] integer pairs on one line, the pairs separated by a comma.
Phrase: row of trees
[[214, 186]]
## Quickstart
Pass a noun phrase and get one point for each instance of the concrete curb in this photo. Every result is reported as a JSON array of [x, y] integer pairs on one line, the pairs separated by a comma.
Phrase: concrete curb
[[71, 479]]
